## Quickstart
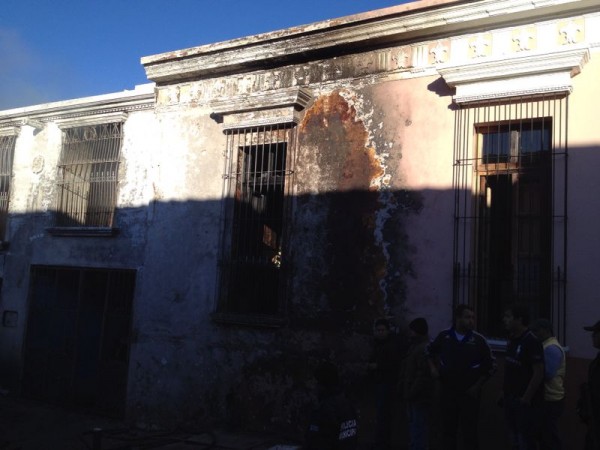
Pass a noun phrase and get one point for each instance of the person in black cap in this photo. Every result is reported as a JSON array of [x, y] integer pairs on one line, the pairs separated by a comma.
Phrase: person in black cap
[[589, 403]]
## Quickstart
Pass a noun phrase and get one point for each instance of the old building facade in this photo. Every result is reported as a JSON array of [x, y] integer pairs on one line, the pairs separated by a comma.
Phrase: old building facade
[[193, 247]]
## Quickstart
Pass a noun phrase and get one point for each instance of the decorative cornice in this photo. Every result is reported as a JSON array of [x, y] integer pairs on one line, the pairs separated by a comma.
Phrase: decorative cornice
[[260, 118], [280, 48], [571, 61], [14, 127], [278, 106], [99, 112], [37, 124], [296, 97], [530, 74], [10, 130], [516, 93], [142, 98], [94, 119]]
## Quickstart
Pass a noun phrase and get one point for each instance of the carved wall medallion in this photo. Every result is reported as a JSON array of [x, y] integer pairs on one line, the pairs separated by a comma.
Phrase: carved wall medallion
[[524, 39], [570, 32], [481, 45], [37, 166]]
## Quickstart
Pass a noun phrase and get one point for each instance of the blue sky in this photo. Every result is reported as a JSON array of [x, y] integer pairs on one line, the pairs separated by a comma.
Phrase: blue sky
[[61, 49]]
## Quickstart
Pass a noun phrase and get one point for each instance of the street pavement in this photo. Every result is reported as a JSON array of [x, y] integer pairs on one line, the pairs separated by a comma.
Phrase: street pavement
[[31, 425]]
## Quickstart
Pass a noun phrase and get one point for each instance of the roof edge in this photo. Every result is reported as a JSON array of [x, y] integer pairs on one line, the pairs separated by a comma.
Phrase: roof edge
[[141, 94], [389, 26], [298, 30]]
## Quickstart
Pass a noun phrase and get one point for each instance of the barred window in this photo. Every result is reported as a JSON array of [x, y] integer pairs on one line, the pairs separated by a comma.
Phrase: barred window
[[88, 175], [253, 258], [7, 150], [510, 209]]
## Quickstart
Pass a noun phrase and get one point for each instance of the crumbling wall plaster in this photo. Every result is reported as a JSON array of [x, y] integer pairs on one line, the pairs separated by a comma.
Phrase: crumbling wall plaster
[[345, 191]]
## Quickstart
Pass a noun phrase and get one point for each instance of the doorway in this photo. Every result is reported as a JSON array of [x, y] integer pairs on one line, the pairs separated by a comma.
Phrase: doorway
[[77, 340]]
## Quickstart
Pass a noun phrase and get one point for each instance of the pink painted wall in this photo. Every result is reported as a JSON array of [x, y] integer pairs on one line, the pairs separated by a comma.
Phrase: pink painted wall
[[583, 294], [419, 112]]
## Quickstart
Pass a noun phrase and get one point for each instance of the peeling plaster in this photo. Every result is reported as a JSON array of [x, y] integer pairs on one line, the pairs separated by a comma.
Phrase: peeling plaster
[[350, 162]]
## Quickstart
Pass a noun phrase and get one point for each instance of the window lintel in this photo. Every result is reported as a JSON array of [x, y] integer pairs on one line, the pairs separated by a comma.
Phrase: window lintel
[[98, 119], [10, 131], [265, 108], [528, 74]]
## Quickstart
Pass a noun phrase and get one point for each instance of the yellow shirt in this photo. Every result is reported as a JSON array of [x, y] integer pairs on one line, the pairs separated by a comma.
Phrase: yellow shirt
[[554, 387]]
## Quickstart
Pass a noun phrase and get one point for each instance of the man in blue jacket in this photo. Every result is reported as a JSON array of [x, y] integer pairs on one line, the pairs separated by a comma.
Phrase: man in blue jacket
[[463, 361]]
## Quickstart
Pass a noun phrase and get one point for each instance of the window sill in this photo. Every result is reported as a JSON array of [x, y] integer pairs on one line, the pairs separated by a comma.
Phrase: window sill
[[83, 231], [250, 320]]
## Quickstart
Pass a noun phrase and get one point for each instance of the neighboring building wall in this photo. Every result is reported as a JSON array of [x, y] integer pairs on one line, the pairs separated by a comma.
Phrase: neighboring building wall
[[31, 241]]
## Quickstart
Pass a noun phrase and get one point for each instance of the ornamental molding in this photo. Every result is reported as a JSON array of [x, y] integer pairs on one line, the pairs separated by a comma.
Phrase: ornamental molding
[[14, 128], [266, 108], [531, 74], [261, 118], [87, 120], [143, 98], [37, 165], [356, 33], [528, 88], [10, 130], [91, 114]]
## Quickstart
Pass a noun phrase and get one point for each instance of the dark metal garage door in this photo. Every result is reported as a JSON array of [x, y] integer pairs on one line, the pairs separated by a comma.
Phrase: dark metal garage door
[[77, 343]]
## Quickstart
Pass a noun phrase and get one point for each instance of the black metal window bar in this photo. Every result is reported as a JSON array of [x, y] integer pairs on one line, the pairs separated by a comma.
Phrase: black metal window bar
[[7, 151], [510, 209], [88, 175], [256, 192]]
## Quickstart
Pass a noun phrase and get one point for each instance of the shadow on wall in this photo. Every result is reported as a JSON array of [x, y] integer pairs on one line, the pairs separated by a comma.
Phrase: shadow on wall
[[136, 317], [327, 265]]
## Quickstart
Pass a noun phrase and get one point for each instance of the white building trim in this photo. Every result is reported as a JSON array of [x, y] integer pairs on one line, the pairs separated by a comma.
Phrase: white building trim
[[522, 75]]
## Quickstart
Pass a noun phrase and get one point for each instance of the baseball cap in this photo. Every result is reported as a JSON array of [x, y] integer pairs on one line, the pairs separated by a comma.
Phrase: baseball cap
[[595, 327]]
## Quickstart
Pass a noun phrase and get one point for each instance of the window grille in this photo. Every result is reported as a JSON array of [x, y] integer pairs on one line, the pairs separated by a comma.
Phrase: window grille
[[255, 213], [88, 175], [510, 209], [7, 151]]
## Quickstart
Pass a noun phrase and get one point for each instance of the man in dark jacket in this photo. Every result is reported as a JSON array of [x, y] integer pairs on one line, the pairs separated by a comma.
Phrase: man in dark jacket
[[334, 424], [523, 387], [385, 370], [462, 359]]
